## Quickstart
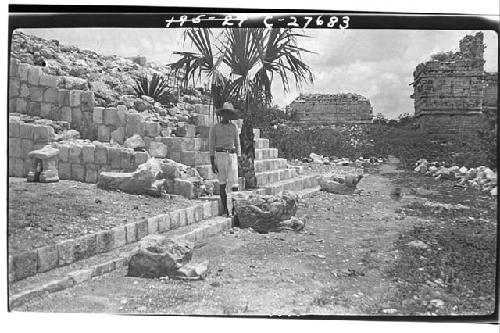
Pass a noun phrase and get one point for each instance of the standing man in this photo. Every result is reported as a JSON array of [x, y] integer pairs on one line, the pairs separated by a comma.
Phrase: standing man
[[224, 146]]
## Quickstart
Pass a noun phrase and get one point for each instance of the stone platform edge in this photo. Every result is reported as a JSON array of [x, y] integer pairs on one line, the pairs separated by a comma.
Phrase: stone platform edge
[[78, 276], [46, 258]]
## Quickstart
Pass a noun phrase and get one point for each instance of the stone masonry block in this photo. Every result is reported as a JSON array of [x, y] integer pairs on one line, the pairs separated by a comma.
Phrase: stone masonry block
[[13, 67], [26, 131], [190, 214], [50, 81], [65, 252], [63, 97], [131, 232], [110, 116], [174, 219], [14, 85], [24, 91], [64, 170], [74, 98], [207, 210], [104, 241], [121, 113], [78, 172], [158, 149], [119, 236], [114, 157], [46, 110], [76, 117], [151, 129], [35, 94], [15, 147], [152, 225], [198, 213], [133, 125], [22, 70], [87, 101], [17, 166], [34, 108], [63, 152], [21, 105], [12, 105], [26, 147], [25, 264], [215, 207], [50, 95], [163, 222], [103, 133], [91, 175], [101, 155], [34, 73], [43, 134], [183, 218], [126, 159], [140, 157], [85, 247], [75, 154], [142, 229], [98, 115], [66, 114], [88, 152]]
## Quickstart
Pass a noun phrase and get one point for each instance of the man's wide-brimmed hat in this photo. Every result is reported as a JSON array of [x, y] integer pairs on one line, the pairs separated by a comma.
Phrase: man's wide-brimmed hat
[[229, 111]]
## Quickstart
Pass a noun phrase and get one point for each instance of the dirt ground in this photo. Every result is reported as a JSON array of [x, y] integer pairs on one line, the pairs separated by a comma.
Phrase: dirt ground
[[352, 258], [42, 214]]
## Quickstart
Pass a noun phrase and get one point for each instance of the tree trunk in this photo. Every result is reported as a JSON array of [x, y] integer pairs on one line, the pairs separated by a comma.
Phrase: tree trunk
[[246, 166]]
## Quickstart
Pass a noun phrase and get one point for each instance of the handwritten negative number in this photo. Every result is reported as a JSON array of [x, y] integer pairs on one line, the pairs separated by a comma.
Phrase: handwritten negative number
[[345, 19], [294, 23]]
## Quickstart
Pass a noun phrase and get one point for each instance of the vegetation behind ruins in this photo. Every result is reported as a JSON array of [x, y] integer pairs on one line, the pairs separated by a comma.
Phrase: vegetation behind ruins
[[397, 137]]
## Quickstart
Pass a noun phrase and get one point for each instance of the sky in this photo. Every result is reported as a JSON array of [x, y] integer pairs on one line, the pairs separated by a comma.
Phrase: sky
[[377, 64]]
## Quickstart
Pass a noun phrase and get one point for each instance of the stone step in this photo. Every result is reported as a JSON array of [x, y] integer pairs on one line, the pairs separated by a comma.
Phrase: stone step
[[261, 143], [270, 164], [266, 153], [62, 278], [294, 184], [274, 176]]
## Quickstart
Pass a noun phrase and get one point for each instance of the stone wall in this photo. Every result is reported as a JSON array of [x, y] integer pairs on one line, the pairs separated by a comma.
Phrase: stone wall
[[449, 89], [490, 100], [339, 108], [79, 160], [450, 124]]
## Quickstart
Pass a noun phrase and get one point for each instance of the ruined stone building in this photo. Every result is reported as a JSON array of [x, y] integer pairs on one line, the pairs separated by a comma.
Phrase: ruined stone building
[[452, 91], [326, 108]]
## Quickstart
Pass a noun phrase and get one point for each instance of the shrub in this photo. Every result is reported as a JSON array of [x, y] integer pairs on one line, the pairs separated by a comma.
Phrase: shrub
[[380, 140], [156, 88]]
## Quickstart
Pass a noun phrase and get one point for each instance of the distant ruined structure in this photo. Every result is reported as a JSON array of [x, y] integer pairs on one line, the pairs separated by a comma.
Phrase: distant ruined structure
[[452, 92], [334, 109]]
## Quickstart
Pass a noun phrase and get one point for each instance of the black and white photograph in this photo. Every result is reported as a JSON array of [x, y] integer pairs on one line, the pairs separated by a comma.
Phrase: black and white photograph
[[231, 164]]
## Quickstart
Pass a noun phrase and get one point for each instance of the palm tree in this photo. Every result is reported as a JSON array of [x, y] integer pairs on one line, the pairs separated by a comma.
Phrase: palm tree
[[253, 56]]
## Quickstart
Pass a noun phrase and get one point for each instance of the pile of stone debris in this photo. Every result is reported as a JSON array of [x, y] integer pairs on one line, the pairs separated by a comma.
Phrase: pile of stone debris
[[482, 177], [334, 160]]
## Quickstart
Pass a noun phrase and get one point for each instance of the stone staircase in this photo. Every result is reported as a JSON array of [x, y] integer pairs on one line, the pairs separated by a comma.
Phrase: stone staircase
[[273, 174]]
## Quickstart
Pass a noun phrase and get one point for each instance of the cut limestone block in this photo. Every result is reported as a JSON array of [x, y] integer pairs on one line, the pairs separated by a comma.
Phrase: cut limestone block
[[188, 130], [157, 149]]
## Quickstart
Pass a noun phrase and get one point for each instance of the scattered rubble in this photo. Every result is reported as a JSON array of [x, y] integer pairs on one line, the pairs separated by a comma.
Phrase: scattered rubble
[[268, 213], [482, 177], [340, 185], [158, 256]]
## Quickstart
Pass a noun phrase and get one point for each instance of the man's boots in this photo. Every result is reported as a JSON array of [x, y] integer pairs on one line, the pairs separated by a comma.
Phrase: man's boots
[[223, 198]]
